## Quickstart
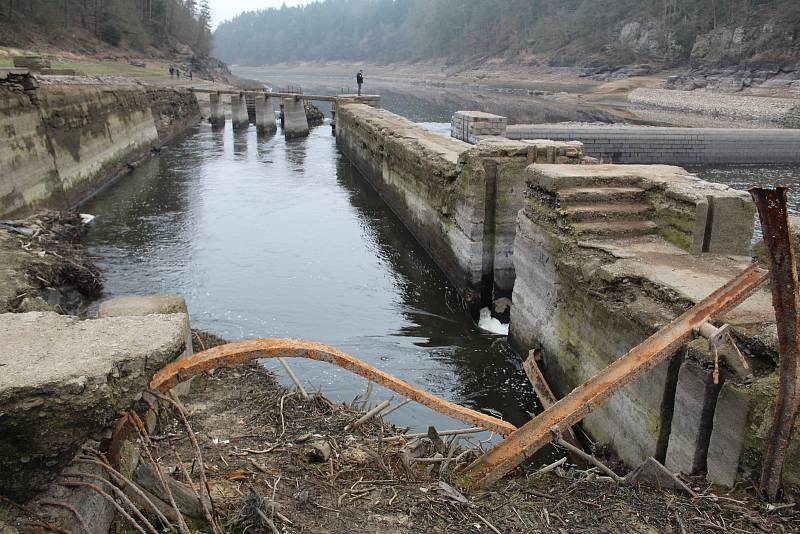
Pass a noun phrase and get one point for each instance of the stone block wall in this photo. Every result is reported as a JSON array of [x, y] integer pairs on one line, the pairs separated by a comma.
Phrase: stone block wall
[[58, 143], [596, 275], [460, 201], [468, 126], [677, 146]]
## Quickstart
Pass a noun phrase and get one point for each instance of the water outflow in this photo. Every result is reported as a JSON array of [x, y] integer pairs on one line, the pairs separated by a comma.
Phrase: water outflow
[[269, 238]]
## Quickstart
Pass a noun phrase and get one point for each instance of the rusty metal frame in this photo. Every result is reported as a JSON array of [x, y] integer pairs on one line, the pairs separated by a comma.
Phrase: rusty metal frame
[[246, 351], [771, 205], [592, 394]]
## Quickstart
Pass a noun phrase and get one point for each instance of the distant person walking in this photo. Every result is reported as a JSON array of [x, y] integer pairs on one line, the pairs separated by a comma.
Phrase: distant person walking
[[178, 73], [171, 71], [191, 77], [360, 80]]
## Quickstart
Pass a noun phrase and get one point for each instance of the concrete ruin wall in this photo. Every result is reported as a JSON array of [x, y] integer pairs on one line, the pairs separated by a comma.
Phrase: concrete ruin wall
[[596, 275], [460, 201], [679, 146], [59, 143]]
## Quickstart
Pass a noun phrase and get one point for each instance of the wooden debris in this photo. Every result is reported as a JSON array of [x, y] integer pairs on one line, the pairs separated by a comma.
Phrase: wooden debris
[[652, 473]]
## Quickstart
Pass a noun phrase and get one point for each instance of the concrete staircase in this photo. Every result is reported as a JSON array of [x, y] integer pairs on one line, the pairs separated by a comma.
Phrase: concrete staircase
[[612, 208]]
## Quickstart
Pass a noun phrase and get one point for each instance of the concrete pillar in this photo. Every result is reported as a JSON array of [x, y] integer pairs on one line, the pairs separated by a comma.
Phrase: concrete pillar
[[217, 115], [265, 115], [239, 112], [295, 123]]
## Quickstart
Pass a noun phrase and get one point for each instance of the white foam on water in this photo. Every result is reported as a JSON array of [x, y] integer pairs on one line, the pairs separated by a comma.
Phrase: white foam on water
[[490, 324]]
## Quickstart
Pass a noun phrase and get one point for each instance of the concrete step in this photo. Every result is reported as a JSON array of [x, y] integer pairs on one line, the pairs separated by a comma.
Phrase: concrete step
[[594, 181], [615, 228], [599, 194], [606, 211]]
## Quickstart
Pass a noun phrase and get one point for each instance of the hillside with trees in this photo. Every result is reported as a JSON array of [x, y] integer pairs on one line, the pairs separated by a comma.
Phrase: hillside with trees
[[150, 27], [558, 32]]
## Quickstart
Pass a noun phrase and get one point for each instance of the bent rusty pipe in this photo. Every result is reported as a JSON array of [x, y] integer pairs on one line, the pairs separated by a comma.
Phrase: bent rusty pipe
[[245, 351]]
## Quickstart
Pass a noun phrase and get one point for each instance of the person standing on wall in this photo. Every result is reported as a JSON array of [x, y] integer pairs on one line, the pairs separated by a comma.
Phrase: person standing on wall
[[360, 80]]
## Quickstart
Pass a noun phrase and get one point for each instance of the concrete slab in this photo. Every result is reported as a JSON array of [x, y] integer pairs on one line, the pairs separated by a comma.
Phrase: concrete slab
[[691, 277], [62, 380]]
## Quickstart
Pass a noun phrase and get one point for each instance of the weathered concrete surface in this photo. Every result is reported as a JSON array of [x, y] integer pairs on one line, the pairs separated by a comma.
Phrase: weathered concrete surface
[[697, 216], [597, 274], [216, 110], [265, 115], [676, 146], [295, 122], [460, 201], [741, 430], [64, 379], [239, 116], [59, 143], [158, 304], [692, 419], [468, 126]]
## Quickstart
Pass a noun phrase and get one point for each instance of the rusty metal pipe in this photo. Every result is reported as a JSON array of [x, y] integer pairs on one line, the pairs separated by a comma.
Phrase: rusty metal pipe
[[245, 351], [771, 205]]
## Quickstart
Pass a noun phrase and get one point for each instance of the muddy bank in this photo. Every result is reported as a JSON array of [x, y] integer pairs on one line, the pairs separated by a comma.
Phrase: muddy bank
[[44, 268], [275, 462]]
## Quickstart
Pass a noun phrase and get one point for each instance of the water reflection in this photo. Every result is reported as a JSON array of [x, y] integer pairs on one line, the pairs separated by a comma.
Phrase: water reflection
[[298, 245]]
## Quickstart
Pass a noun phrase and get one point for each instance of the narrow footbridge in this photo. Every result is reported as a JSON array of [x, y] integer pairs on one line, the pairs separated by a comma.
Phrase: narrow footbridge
[[255, 106]]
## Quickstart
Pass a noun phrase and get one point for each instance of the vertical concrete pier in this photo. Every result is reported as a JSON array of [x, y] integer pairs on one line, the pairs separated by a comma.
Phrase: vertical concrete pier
[[217, 114], [239, 112], [265, 115], [295, 123]]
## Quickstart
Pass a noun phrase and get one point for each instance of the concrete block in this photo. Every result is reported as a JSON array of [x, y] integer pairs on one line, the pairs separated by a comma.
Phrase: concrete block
[[159, 304], [63, 380], [265, 115], [239, 112], [295, 123], [217, 112], [728, 435], [695, 400]]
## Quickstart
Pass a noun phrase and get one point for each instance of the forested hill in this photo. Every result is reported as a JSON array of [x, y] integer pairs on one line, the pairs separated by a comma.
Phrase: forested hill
[[147, 27], [579, 32]]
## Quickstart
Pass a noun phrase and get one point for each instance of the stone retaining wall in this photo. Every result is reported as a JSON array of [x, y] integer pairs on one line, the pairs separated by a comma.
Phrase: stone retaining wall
[[460, 201], [604, 257], [59, 143], [680, 146]]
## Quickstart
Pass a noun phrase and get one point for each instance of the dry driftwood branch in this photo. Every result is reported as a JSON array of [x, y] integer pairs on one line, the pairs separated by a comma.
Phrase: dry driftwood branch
[[294, 378], [147, 445], [109, 498], [589, 458], [456, 432], [369, 415]]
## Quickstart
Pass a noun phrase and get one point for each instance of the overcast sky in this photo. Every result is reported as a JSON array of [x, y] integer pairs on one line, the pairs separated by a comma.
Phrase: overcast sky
[[227, 9]]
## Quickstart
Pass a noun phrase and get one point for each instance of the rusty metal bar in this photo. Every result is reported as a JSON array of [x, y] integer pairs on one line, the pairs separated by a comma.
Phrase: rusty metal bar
[[536, 433], [771, 205], [245, 351], [546, 397]]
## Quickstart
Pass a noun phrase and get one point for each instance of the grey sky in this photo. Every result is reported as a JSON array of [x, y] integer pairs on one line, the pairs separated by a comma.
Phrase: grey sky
[[227, 9]]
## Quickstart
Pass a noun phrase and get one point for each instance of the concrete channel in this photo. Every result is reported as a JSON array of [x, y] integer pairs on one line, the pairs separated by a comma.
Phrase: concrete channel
[[594, 258]]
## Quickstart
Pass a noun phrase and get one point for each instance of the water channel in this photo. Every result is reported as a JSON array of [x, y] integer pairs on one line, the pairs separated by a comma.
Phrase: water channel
[[269, 238]]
